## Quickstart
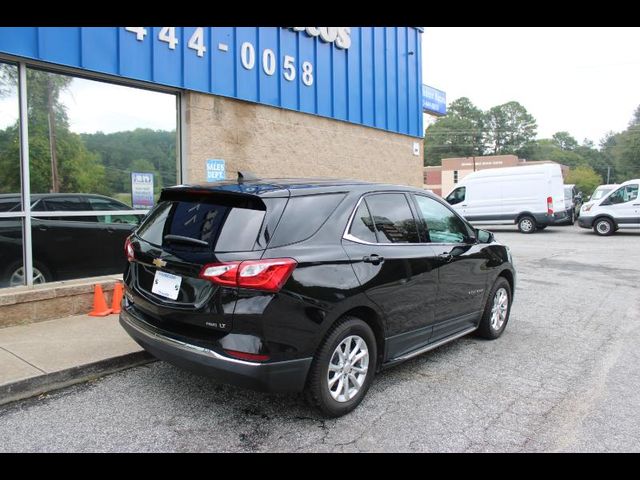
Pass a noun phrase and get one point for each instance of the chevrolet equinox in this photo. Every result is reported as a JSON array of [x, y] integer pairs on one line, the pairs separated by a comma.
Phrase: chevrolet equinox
[[309, 285]]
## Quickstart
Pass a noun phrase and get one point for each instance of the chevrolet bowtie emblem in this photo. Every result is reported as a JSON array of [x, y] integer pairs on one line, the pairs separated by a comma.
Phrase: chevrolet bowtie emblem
[[158, 262]]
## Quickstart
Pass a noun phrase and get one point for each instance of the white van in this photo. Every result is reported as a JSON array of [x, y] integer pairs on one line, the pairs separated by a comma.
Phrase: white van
[[619, 209], [530, 196]]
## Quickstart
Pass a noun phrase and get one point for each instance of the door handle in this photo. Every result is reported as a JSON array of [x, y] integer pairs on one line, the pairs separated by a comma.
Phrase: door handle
[[464, 205], [374, 259], [447, 257]]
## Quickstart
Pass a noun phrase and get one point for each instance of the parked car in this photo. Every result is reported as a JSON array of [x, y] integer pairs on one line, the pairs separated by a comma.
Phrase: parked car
[[309, 285], [531, 197], [619, 208], [64, 247]]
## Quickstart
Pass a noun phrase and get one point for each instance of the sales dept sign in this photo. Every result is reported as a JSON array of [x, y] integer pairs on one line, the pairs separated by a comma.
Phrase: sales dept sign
[[141, 190], [215, 170]]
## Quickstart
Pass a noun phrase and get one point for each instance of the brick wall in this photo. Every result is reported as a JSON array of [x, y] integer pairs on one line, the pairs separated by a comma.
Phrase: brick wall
[[273, 142]]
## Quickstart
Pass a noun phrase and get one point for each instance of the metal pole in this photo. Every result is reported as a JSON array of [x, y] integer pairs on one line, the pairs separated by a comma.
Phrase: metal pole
[[608, 173], [24, 167]]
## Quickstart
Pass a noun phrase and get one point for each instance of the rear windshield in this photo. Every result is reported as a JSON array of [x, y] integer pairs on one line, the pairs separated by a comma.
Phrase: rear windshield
[[215, 224]]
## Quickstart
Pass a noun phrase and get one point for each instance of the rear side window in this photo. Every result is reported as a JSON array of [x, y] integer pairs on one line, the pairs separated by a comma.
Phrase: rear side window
[[212, 225], [362, 225], [392, 218], [303, 217]]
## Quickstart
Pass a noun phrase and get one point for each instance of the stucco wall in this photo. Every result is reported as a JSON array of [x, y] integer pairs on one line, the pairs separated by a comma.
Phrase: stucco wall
[[273, 142]]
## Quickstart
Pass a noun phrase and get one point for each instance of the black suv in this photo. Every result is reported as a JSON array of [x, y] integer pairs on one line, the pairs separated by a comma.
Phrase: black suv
[[309, 285]]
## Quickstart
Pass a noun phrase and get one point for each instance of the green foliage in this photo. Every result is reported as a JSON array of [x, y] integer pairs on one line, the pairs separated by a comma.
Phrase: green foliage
[[97, 163], [564, 141], [140, 150], [585, 178], [458, 134], [510, 129], [467, 131]]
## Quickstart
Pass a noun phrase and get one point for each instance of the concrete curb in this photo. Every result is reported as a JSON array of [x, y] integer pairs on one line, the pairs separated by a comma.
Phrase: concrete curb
[[33, 386]]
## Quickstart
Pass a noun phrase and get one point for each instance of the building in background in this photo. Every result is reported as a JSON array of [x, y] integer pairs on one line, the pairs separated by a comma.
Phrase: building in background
[[276, 101], [442, 179]]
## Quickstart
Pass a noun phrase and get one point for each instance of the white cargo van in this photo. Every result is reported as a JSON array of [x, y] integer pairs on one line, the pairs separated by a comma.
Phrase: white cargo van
[[530, 196], [618, 209]]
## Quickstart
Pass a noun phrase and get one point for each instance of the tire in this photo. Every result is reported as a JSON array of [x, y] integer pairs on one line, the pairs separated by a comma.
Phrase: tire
[[604, 227], [325, 393], [12, 274], [527, 224], [492, 327], [541, 227]]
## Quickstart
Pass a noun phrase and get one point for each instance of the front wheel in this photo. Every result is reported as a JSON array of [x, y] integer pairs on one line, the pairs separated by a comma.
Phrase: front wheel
[[343, 368], [16, 274], [604, 227], [496, 312]]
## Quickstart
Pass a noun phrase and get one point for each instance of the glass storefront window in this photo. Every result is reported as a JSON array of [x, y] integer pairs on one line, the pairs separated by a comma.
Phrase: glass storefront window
[[10, 186], [87, 139]]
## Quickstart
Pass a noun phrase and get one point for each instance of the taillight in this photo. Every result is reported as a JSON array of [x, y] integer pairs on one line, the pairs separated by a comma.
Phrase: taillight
[[128, 250], [550, 205], [221, 273], [247, 356], [269, 274]]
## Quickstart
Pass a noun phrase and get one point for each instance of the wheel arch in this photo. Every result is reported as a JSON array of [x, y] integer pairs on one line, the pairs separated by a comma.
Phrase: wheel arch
[[600, 216]]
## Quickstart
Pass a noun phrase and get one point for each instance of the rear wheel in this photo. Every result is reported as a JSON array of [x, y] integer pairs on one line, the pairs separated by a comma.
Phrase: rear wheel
[[527, 224], [603, 227], [496, 312], [343, 368]]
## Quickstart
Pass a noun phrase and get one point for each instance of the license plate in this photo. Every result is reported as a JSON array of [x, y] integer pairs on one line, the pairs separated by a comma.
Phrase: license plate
[[166, 285]]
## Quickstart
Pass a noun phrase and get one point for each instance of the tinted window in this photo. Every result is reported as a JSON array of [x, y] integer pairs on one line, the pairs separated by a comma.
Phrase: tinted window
[[456, 196], [624, 194], [68, 204], [362, 224], [443, 226], [222, 227], [303, 217], [392, 218], [98, 203]]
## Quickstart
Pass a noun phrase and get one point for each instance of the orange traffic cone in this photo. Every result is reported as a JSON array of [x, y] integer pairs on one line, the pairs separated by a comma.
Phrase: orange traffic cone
[[100, 308], [117, 297]]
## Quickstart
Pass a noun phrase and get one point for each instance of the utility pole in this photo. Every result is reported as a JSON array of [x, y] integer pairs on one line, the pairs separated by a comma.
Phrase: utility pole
[[608, 173]]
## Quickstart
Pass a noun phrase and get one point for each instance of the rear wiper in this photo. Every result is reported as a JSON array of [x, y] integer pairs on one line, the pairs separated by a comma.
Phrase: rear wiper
[[180, 238]]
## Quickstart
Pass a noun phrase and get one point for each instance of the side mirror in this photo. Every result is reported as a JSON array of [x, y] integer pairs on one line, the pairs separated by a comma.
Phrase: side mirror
[[484, 236]]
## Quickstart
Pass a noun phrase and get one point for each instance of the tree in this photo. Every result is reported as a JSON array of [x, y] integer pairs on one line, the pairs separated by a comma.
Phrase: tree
[[458, 134], [565, 141], [585, 179], [58, 159], [510, 129]]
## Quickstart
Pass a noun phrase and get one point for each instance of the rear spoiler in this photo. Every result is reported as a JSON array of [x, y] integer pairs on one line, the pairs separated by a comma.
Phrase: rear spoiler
[[218, 196]]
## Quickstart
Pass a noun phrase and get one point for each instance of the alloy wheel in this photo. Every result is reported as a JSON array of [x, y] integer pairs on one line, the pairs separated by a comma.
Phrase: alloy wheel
[[499, 309], [348, 368], [18, 277]]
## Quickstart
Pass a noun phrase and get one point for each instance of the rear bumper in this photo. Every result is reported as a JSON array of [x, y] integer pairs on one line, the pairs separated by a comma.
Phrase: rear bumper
[[286, 376], [565, 217]]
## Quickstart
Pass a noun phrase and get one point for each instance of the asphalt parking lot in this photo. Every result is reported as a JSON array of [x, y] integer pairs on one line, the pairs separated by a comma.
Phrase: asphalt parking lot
[[565, 376]]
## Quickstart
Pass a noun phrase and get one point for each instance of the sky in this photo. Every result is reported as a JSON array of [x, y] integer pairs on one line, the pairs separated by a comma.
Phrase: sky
[[584, 80]]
